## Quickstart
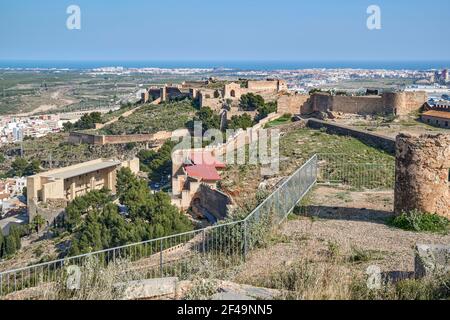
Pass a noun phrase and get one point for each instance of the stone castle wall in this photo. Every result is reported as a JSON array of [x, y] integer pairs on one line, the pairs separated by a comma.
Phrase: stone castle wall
[[404, 103], [87, 138], [214, 201], [358, 105], [422, 174], [294, 104], [400, 103], [372, 139]]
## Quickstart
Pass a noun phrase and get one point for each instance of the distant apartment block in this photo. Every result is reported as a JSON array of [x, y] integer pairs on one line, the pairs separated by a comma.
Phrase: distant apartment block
[[54, 189]]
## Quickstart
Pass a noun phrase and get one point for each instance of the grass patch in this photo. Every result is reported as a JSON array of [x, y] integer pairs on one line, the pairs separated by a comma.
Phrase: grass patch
[[420, 222], [361, 256], [287, 118], [150, 118]]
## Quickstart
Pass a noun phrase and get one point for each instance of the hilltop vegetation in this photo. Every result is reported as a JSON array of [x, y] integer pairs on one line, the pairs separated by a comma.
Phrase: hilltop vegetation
[[167, 116], [297, 145]]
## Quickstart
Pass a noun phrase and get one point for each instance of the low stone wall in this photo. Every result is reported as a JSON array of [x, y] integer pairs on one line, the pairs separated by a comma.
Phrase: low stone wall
[[87, 138], [80, 137], [216, 202], [372, 139], [51, 211]]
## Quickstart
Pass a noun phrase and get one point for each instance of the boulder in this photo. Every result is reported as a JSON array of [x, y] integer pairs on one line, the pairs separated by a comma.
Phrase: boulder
[[431, 260], [148, 289]]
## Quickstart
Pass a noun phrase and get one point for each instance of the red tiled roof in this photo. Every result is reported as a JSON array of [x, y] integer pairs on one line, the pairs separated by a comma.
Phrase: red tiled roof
[[437, 114], [204, 172], [206, 158]]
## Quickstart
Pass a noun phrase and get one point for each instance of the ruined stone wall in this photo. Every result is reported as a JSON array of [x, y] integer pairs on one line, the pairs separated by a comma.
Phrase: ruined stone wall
[[321, 102], [50, 212], [215, 202], [79, 137], [422, 174], [215, 104], [263, 85], [403, 103], [131, 138], [294, 104], [414, 101], [358, 105], [369, 138], [400, 103]]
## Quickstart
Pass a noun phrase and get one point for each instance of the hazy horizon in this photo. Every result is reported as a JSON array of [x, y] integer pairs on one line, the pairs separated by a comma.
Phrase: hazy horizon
[[286, 30]]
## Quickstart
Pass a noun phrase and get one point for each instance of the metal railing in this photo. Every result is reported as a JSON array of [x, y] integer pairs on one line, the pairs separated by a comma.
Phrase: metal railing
[[225, 244]]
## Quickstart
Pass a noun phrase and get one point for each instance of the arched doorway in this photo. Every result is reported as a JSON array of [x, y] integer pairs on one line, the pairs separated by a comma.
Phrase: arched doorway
[[233, 93]]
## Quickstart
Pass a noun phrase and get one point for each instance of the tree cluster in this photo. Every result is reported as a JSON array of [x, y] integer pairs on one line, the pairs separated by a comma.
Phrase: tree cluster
[[21, 167], [208, 118], [157, 164], [240, 122], [11, 243], [97, 223], [87, 121], [251, 102]]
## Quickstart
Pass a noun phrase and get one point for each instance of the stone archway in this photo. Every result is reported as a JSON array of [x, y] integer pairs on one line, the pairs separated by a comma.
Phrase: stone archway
[[233, 93]]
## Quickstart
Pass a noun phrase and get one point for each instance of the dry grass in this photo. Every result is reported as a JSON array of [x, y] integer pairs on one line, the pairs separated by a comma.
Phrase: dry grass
[[325, 254]]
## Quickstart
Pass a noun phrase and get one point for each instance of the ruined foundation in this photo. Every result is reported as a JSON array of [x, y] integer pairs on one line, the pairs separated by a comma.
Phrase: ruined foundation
[[422, 174]]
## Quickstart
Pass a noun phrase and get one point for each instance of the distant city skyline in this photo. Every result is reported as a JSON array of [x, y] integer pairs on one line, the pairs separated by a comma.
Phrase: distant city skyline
[[227, 31]]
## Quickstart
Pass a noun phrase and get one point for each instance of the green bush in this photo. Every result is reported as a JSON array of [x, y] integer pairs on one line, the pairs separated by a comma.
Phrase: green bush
[[421, 222]]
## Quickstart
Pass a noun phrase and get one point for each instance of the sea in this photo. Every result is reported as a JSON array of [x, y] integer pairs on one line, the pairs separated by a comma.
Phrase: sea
[[235, 65]]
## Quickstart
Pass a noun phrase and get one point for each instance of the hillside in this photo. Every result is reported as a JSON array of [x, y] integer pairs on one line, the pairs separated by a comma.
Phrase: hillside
[[167, 116]]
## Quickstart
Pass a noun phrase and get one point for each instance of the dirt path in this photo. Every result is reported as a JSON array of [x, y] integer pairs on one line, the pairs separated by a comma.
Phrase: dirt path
[[348, 222]]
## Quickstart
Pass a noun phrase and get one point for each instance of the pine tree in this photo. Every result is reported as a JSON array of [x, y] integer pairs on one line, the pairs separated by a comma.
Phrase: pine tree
[[2, 242], [10, 245]]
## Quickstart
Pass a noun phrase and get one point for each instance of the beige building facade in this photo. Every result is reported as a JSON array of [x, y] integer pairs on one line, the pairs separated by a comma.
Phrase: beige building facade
[[60, 186]]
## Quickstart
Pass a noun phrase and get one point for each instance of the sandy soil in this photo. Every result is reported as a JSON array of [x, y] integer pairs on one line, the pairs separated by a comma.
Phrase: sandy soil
[[347, 220]]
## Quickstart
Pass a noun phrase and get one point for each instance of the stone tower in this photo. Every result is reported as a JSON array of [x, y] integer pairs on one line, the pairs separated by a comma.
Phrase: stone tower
[[422, 174]]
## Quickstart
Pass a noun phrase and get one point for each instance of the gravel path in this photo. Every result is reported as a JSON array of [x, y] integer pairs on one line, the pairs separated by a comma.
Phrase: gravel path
[[347, 221]]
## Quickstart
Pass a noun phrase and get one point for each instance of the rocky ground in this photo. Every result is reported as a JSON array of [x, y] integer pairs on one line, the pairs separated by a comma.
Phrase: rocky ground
[[388, 126], [347, 226]]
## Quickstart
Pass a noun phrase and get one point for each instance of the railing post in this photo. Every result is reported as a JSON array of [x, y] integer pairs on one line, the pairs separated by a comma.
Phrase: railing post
[[204, 242], [245, 241], [161, 259]]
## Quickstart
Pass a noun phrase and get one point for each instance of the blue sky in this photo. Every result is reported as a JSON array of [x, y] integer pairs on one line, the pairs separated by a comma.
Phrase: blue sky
[[225, 30]]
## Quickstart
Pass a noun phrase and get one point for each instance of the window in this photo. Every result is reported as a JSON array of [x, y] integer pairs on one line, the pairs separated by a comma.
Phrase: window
[[446, 123]]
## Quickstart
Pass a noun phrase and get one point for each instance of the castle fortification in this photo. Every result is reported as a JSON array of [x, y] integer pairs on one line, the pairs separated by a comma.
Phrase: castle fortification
[[422, 174], [399, 103]]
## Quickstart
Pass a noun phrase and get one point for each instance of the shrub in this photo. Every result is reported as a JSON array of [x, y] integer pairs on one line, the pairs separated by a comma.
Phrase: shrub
[[421, 222]]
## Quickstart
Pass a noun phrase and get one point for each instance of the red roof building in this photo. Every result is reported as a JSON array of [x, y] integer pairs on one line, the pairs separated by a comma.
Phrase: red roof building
[[194, 169]]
